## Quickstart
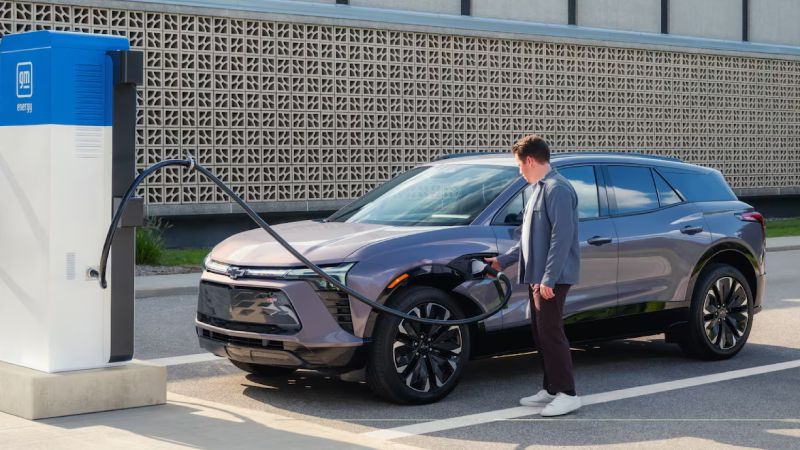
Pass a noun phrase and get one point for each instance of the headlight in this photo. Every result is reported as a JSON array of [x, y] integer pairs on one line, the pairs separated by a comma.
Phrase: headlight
[[214, 266], [337, 271]]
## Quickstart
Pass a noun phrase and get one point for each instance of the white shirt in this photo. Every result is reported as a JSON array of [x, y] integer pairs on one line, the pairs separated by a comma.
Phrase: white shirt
[[526, 222]]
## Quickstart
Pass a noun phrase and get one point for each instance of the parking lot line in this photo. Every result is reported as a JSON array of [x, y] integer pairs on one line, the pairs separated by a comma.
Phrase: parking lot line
[[592, 399], [184, 359]]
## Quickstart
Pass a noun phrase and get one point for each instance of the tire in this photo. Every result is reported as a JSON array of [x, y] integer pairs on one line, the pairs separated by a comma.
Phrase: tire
[[411, 363], [721, 314], [262, 370]]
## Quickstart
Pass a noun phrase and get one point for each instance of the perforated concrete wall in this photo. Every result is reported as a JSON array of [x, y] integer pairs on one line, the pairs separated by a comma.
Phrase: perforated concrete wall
[[299, 112]]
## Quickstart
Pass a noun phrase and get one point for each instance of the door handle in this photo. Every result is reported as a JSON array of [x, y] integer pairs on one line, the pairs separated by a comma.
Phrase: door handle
[[688, 229], [599, 240]]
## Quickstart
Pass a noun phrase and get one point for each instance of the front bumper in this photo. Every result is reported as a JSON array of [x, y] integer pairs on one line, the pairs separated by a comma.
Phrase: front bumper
[[317, 342], [277, 353]]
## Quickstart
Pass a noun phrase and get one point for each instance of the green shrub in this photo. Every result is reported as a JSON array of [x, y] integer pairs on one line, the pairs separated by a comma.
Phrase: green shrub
[[150, 241]]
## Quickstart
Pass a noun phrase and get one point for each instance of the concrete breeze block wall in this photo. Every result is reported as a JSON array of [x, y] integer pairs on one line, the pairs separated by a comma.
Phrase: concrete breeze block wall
[[305, 112]]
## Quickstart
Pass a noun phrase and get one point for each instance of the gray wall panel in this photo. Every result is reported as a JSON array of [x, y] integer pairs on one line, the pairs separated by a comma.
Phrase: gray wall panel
[[436, 6], [628, 15], [715, 19], [775, 21], [542, 11]]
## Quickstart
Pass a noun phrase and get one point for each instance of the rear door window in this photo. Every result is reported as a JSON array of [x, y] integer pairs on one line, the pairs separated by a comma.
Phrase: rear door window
[[633, 188]]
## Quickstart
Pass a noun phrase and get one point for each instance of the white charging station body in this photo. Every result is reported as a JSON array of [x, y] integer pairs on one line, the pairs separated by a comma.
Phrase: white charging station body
[[56, 94]]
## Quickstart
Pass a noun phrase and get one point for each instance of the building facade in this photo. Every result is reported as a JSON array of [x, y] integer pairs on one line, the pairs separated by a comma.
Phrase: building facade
[[304, 105]]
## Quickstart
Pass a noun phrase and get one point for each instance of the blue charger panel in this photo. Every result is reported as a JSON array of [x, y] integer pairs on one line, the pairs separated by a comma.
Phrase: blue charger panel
[[60, 78]]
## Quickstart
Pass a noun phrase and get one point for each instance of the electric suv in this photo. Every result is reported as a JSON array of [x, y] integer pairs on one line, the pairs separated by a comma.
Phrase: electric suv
[[666, 247]]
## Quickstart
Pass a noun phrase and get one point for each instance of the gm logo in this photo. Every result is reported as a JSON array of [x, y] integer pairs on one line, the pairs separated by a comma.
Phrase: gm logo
[[24, 80]]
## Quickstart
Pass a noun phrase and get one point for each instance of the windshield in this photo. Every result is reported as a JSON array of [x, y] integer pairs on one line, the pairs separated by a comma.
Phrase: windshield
[[442, 195]]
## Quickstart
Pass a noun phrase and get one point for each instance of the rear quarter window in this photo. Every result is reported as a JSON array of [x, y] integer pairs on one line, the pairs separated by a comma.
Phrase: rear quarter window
[[698, 186]]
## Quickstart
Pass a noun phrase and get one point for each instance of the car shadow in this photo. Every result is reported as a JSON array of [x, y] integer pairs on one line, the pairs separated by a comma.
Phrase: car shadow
[[497, 383]]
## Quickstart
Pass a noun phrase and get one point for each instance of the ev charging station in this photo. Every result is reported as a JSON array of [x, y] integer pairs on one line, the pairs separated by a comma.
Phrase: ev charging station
[[67, 142], [67, 165]]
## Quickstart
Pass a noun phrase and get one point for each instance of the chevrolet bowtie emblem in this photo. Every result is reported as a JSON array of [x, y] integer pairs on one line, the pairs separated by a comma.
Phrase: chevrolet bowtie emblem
[[236, 272]]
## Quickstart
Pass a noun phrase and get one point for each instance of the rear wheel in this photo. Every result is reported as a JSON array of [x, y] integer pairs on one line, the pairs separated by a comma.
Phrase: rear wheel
[[262, 370], [414, 363], [721, 314]]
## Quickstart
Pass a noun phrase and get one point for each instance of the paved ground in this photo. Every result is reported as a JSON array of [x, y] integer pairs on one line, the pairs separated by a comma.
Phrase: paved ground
[[644, 394], [758, 411]]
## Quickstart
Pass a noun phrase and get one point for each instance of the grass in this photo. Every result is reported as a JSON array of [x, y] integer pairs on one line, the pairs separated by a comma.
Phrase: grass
[[149, 246], [783, 227], [183, 257], [151, 249]]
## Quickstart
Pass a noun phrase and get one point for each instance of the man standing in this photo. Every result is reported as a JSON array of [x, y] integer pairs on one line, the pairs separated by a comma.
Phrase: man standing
[[549, 263]]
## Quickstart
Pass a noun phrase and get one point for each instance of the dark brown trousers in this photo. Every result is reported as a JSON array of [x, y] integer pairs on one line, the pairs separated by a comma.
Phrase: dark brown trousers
[[548, 334]]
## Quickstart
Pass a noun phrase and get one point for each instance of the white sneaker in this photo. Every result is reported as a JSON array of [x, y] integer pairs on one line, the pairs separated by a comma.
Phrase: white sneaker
[[540, 399], [562, 404]]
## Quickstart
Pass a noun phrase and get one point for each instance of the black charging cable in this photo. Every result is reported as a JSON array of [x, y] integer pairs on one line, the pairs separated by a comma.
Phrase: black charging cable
[[191, 164]]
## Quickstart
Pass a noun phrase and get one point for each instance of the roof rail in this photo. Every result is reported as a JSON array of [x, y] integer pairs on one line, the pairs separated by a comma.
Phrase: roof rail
[[462, 155], [573, 153], [641, 155]]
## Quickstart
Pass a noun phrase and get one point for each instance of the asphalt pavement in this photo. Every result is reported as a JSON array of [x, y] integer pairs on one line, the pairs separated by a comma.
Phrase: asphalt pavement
[[644, 394], [756, 411]]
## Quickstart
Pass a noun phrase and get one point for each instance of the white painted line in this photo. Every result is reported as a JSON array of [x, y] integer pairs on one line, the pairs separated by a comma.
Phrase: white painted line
[[184, 359], [453, 422], [794, 300], [687, 383], [593, 399]]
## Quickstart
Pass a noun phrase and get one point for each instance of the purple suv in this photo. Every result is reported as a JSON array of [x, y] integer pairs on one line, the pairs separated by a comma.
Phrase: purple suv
[[666, 247]]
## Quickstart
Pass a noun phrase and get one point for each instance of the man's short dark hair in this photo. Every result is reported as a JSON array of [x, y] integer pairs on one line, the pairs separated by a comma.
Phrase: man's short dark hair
[[533, 146]]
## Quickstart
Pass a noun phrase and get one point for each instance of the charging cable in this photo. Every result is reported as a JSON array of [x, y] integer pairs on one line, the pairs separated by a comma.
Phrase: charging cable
[[191, 164]]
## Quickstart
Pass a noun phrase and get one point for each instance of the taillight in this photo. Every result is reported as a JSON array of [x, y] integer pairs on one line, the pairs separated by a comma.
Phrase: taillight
[[754, 217]]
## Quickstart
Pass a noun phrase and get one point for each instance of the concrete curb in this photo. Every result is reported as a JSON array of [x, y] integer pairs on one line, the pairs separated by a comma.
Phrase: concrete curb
[[783, 248], [166, 292], [166, 285], [782, 244]]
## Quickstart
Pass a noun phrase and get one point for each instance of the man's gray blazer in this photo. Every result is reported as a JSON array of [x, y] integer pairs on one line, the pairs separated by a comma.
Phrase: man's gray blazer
[[551, 253]]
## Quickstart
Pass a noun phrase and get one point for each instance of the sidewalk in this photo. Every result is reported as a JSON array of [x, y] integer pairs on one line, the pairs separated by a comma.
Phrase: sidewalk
[[184, 422], [164, 285], [783, 243], [187, 284]]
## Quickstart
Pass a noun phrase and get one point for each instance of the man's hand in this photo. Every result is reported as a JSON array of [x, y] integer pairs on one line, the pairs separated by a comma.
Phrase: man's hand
[[546, 292], [494, 263]]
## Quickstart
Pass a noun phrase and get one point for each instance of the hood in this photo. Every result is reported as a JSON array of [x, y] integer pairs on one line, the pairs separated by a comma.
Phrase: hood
[[321, 242]]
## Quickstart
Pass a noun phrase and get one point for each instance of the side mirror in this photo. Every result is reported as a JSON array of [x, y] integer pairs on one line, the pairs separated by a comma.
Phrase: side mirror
[[513, 219]]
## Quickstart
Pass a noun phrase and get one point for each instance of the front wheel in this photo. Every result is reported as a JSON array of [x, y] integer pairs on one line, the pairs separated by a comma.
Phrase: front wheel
[[414, 363], [721, 314]]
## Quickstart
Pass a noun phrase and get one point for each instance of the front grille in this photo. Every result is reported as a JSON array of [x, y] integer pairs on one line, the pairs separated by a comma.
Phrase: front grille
[[242, 326], [240, 341], [255, 310], [338, 305]]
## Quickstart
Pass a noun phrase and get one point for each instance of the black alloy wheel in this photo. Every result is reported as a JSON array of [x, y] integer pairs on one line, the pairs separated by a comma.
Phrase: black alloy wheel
[[721, 314], [414, 363], [427, 356], [725, 313]]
